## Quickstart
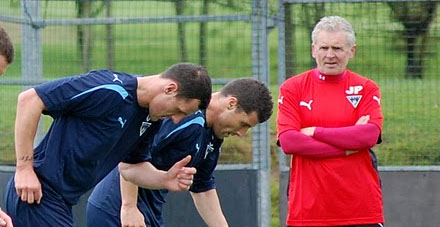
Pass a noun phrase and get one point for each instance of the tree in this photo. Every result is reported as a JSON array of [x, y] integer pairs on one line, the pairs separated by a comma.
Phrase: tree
[[203, 35], [415, 18], [313, 12], [181, 31], [84, 33], [289, 30], [110, 41]]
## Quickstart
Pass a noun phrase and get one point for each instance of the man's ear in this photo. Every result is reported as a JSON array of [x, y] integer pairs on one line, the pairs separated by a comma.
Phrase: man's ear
[[352, 51], [232, 102], [171, 88], [313, 50]]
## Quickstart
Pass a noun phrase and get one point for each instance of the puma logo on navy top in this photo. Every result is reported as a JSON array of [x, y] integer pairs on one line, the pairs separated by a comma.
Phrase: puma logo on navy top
[[122, 121], [116, 78]]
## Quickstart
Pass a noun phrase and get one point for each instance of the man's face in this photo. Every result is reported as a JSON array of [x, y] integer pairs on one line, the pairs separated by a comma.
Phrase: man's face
[[233, 122], [332, 52], [3, 64], [168, 105]]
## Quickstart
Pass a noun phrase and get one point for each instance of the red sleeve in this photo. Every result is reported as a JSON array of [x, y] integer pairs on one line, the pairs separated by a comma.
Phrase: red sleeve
[[288, 114], [350, 138], [371, 104], [295, 143]]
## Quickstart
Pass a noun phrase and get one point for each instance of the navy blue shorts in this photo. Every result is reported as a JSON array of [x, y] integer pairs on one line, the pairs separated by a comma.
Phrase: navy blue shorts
[[97, 217], [52, 210]]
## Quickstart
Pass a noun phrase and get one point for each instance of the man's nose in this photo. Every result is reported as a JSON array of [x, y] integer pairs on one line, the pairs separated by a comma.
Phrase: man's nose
[[330, 53], [241, 132]]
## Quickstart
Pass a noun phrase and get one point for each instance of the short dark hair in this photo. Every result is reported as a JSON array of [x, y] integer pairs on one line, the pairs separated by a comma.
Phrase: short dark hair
[[193, 81], [6, 47], [252, 95]]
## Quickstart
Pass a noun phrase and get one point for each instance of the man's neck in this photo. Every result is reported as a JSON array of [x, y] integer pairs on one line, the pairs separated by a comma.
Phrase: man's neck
[[214, 108], [325, 77], [147, 88]]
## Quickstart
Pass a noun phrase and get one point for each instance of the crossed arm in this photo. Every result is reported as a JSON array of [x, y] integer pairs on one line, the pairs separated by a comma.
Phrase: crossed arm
[[317, 142]]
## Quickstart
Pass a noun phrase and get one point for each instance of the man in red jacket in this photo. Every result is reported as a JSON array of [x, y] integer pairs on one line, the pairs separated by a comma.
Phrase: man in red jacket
[[328, 119]]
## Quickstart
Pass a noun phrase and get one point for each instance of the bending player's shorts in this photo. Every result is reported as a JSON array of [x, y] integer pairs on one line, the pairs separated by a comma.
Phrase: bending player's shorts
[[52, 210], [97, 217]]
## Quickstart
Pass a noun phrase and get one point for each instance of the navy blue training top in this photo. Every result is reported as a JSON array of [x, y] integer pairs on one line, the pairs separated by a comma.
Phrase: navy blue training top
[[97, 123], [172, 143]]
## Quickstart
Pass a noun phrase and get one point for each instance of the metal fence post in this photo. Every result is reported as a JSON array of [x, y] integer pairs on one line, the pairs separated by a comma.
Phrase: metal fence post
[[281, 68], [260, 142], [283, 168], [31, 48]]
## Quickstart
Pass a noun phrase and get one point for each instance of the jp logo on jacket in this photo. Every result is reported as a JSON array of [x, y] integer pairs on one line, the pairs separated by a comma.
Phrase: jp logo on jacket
[[353, 95]]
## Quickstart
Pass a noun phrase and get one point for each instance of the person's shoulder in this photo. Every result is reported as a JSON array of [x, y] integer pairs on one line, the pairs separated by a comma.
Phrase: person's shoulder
[[300, 76], [358, 78], [297, 79], [356, 75], [197, 119], [107, 73], [191, 123]]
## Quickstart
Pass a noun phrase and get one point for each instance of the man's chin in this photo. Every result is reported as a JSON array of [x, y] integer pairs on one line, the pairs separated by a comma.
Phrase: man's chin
[[332, 71], [221, 136], [154, 118]]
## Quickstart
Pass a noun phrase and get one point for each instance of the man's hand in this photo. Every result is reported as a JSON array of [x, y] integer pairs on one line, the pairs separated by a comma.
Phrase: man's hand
[[132, 217], [363, 120], [350, 152], [309, 131], [180, 177], [27, 185], [5, 220]]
